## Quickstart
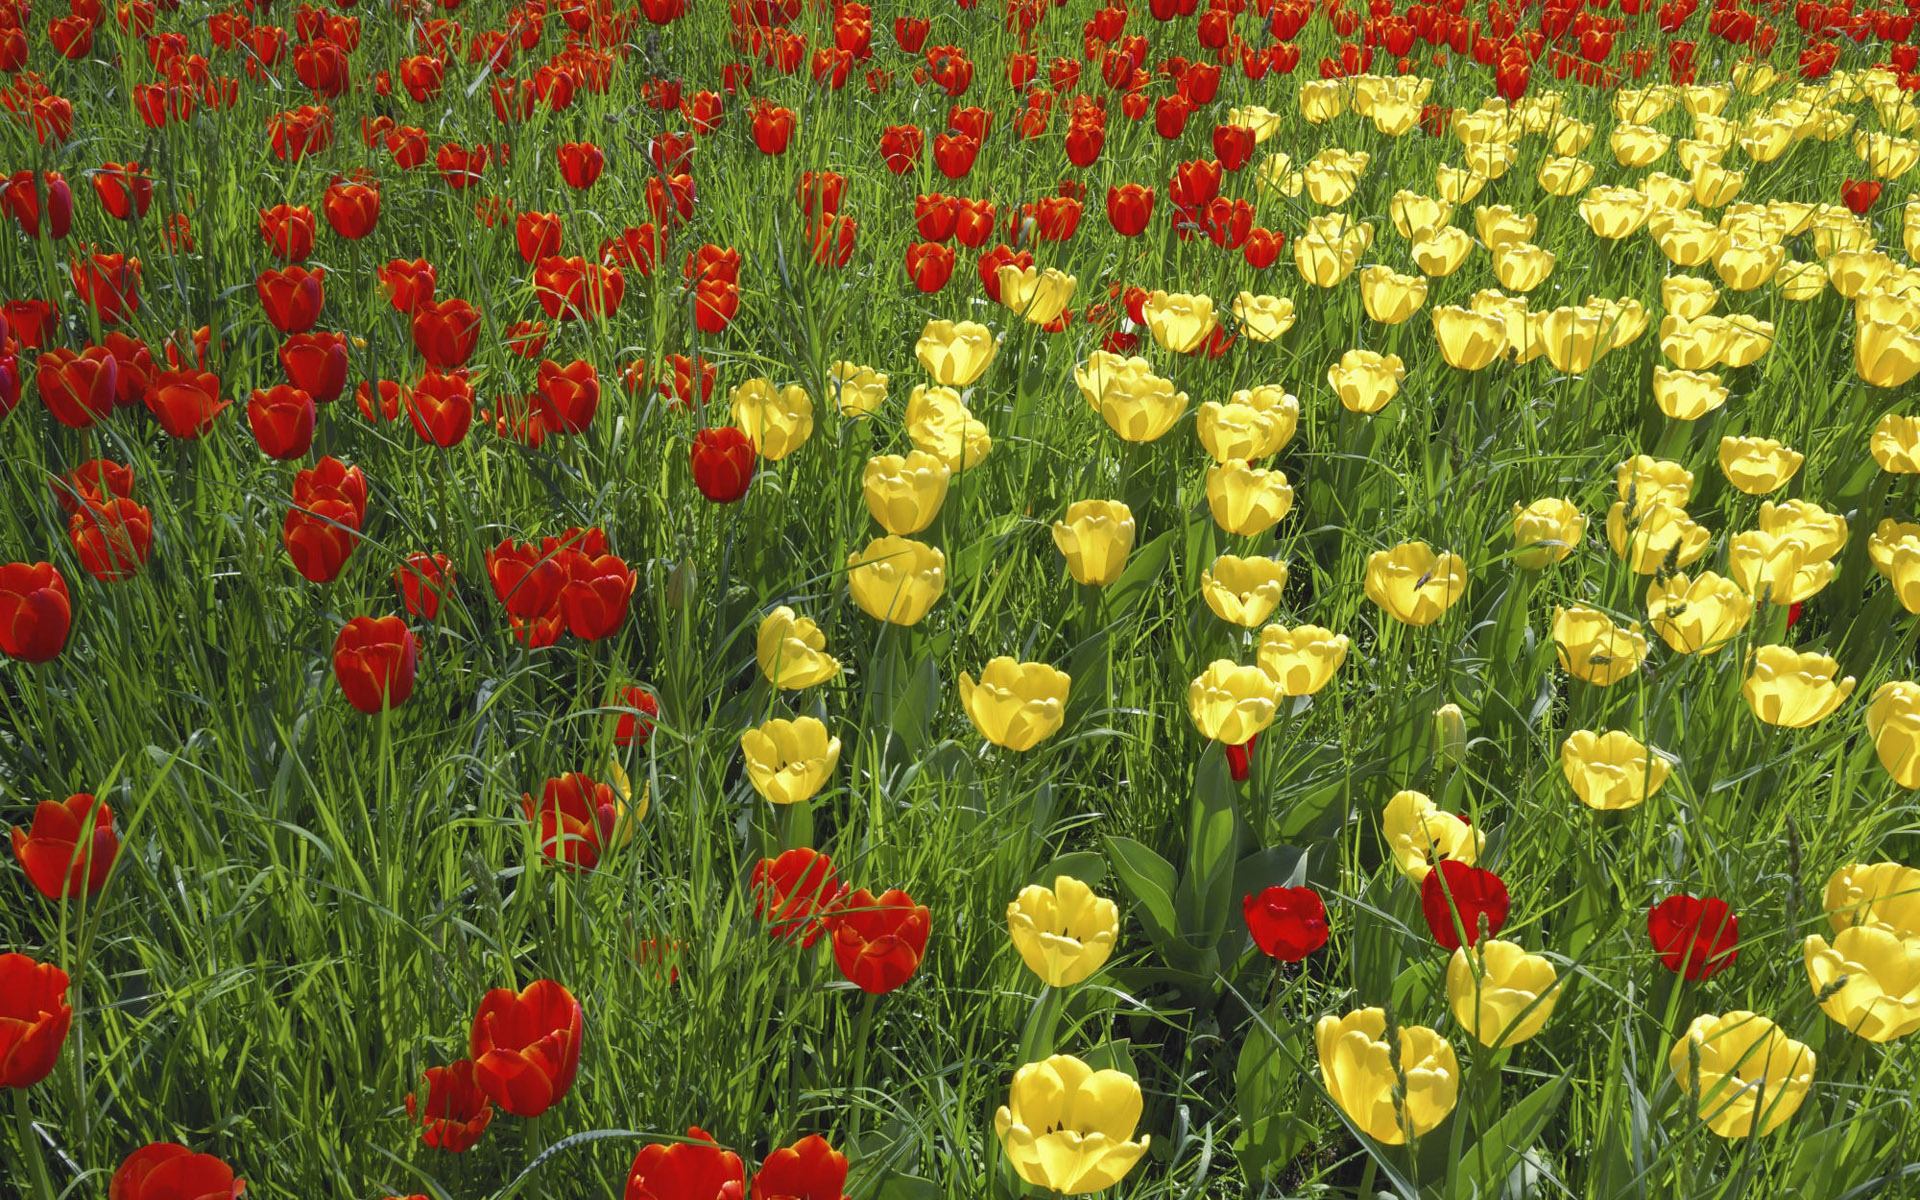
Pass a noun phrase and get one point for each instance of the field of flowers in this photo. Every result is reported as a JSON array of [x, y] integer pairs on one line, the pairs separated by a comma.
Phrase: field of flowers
[[789, 600]]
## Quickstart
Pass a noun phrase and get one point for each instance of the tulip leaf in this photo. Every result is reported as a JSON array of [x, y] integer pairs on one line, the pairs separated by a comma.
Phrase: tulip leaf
[[1265, 1081], [1116, 1054], [1484, 1168], [1148, 881], [908, 1187], [1143, 569], [1085, 865], [1214, 837]]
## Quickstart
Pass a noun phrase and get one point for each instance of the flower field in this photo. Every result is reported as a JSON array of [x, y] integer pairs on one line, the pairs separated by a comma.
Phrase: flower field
[[790, 600]]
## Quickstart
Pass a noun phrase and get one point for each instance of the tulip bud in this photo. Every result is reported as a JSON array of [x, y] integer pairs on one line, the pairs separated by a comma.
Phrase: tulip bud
[[683, 581], [1449, 734]]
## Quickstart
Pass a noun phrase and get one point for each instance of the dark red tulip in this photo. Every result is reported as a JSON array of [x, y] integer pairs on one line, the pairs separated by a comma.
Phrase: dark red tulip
[[446, 332], [168, 1171], [580, 164], [78, 389], [408, 284], [568, 396], [440, 407], [574, 819], [281, 419], [810, 1169], [693, 1170], [185, 402], [292, 297], [596, 594], [287, 231], [316, 363], [320, 533], [526, 1047], [526, 580], [69, 849], [929, 265], [1262, 247], [1455, 892], [35, 611], [133, 364], [423, 580], [92, 482], [374, 659], [878, 943], [1859, 194], [1239, 758], [795, 893], [30, 320], [34, 1019], [353, 209], [723, 461], [1128, 208], [972, 222], [109, 284], [1288, 923], [456, 1111], [21, 199], [112, 540], [910, 33], [631, 729], [1694, 937], [125, 190]]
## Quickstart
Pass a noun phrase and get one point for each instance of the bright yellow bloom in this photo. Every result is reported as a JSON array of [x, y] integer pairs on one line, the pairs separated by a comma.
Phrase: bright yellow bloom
[[1365, 380], [1757, 466], [1390, 297], [1546, 532], [1141, 407], [896, 579], [1896, 444], [1870, 978], [1700, 615], [1637, 145], [1800, 281], [1522, 266], [1611, 770], [788, 761], [1661, 537], [1499, 225], [1104, 370], [1614, 212], [1893, 722], [1069, 1128], [1017, 705], [1885, 895], [1357, 1068], [1885, 354], [1301, 660], [1688, 296], [1230, 703], [1750, 1076], [940, 425], [779, 422], [1499, 993], [1245, 499], [1063, 933], [1263, 318], [1244, 591], [1438, 251], [858, 390], [1412, 212], [1257, 423], [1824, 533], [1419, 835], [1645, 481], [1179, 322], [1687, 395], [1794, 690], [791, 650], [955, 353], [1592, 648], [1413, 584], [1039, 296], [1778, 567], [1095, 539], [1469, 341], [1458, 185], [904, 492]]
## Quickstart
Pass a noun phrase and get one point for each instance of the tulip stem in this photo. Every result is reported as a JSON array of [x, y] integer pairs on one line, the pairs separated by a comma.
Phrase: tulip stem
[[30, 1147], [862, 1038]]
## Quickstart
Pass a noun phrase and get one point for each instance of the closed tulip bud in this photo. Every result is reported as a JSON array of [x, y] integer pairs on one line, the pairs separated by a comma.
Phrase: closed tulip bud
[[1389, 297], [1230, 703], [1245, 499], [1366, 381], [1611, 770], [1069, 1128], [1363, 1075], [1757, 466], [1546, 532], [1469, 341], [1592, 648], [1449, 734], [896, 579], [955, 354], [1016, 705], [1141, 407], [1179, 322], [778, 420], [904, 492], [1687, 395], [1896, 444], [1244, 591], [1697, 616], [1868, 980], [1263, 318], [788, 761], [1893, 722], [1039, 296], [1063, 933], [1439, 251], [1413, 584], [1301, 660], [1744, 1075], [1688, 297], [791, 650], [1499, 993], [1095, 539], [1792, 689], [1419, 835], [1659, 537], [858, 390]]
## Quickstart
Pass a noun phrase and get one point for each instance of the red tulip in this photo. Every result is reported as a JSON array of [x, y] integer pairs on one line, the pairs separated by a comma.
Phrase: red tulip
[[1694, 937], [934, 215], [1128, 207], [34, 1019], [185, 402], [723, 462], [124, 190], [795, 893], [109, 284], [374, 659], [772, 128], [440, 407], [526, 1047], [408, 284], [954, 153], [833, 238], [670, 201], [287, 231], [1859, 194], [353, 209], [1239, 758], [70, 848], [21, 197], [526, 580], [972, 222], [537, 235], [574, 820], [446, 332], [1457, 898], [92, 482], [422, 581], [168, 1171], [456, 1111], [580, 164], [929, 265], [316, 363], [569, 395], [1170, 115], [320, 533], [112, 540], [632, 729], [1194, 184], [810, 1169], [1262, 247], [1084, 143], [1288, 923], [695, 1170], [281, 419], [77, 389], [292, 297], [35, 612], [1232, 146], [910, 33], [30, 320], [596, 594], [900, 147], [878, 944]]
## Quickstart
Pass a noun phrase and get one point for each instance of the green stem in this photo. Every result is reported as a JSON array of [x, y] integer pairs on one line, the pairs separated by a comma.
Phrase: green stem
[[862, 1038], [30, 1147]]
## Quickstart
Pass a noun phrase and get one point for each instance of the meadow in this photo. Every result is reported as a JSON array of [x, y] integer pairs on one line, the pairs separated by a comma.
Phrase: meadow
[[819, 601]]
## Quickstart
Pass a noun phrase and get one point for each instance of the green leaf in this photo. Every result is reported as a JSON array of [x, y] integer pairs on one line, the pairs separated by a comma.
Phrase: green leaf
[[1085, 865], [1266, 1095], [1143, 569], [1502, 1145], [1205, 894], [1112, 1055], [1148, 881], [908, 1187]]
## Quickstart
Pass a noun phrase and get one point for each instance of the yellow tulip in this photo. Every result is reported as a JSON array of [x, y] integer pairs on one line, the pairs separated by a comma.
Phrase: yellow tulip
[[1439, 250], [1853, 272], [1419, 835], [1230, 703], [1522, 266], [896, 579], [1870, 978], [1644, 481], [1637, 145], [1893, 722], [955, 354], [1884, 354], [1017, 705], [1779, 567], [1257, 423], [1245, 499], [1458, 185], [1332, 175], [1694, 344], [904, 492], [1749, 1078], [1415, 585], [1757, 466], [1697, 616], [1746, 341], [1263, 318], [1321, 262], [1546, 532], [1469, 341], [1365, 380], [1389, 297], [1896, 444], [1661, 537], [788, 761], [1705, 100], [1264, 122], [1614, 213], [1063, 933], [1412, 212], [1687, 296], [1800, 281], [779, 422], [1592, 648], [1095, 539], [946, 430], [1141, 408], [1685, 237], [858, 390], [1882, 895], [1449, 734], [1105, 369], [1244, 591], [791, 650], [1824, 533], [1499, 225], [1321, 100], [1714, 185], [1792, 689], [1179, 322], [1611, 770], [1301, 660], [1069, 1128], [1038, 295], [1499, 993], [1563, 176], [1687, 395], [1895, 551], [1357, 1068]]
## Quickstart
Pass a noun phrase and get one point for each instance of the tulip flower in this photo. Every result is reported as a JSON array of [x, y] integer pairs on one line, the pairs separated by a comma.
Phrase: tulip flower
[[789, 761], [955, 354], [1230, 703], [456, 1111], [858, 390], [791, 650], [1593, 649], [1687, 395], [1413, 584], [1263, 318], [896, 579], [723, 461], [1287, 923], [810, 1169], [35, 612], [1896, 444], [879, 943], [1462, 903], [112, 539], [169, 1171], [1868, 980], [1419, 835], [1365, 381], [779, 421], [1610, 770], [1744, 1075], [1694, 937], [1792, 689], [1138, 405], [904, 493], [1656, 537], [374, 661], [1884, 895], [185, 403], [1015, 705], [1063, 933], [282, 420], [1893, 722], [1547, 531], [1468, 340], [525, 1046], [1362, 1075], [34, 1019], [1245, 499], [1095, 539], [1700, 615], [795, 893], [696, 1169], [1501, 994], [78, 389], [70, 848], [1257, 423], [576, 820], [1039, 296], [947, 431], [1069, 1128], [1179, 322], [1244, 591]]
